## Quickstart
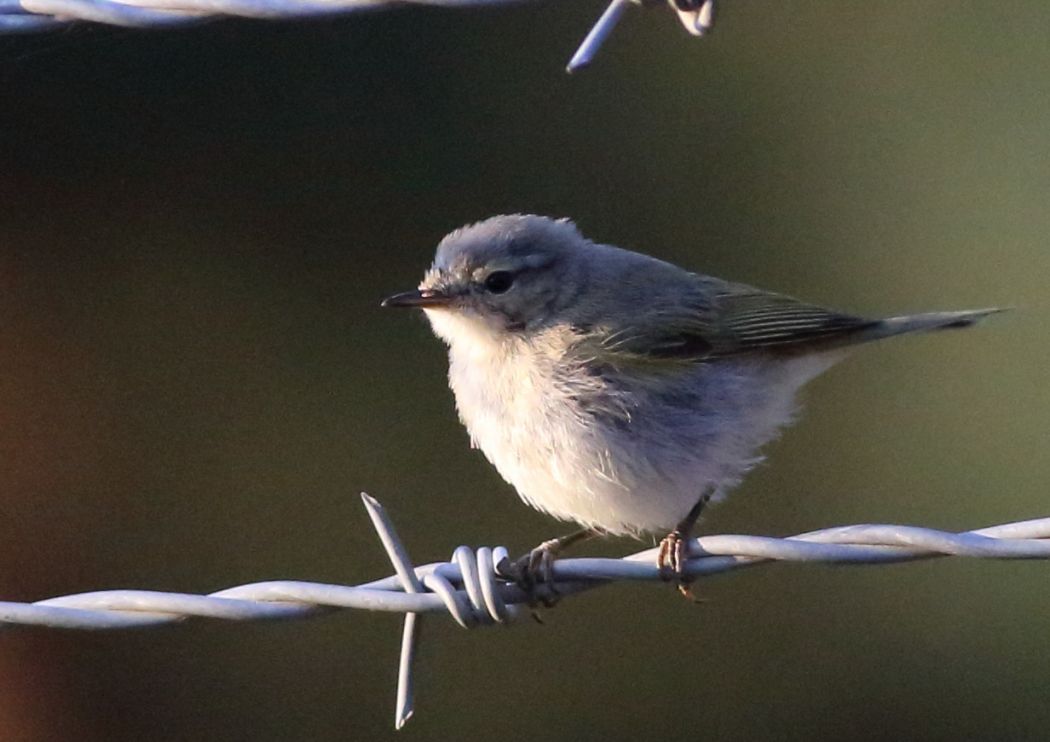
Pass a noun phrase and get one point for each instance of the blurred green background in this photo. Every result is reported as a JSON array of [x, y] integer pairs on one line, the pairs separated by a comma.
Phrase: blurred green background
[[196, 379]]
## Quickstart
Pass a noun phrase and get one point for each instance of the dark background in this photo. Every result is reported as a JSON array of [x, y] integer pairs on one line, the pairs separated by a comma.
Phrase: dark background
[[196, 379]]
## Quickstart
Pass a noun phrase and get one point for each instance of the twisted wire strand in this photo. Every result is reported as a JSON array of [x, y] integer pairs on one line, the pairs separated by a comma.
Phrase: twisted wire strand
[[28, 16], [32, 15], [471, 589]]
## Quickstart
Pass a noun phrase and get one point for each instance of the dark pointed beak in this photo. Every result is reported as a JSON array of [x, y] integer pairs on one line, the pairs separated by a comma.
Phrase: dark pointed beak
[[417, 298]]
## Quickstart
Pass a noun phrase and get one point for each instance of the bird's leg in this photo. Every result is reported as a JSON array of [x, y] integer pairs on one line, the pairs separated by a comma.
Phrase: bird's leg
[[537, 567], [674, 549]]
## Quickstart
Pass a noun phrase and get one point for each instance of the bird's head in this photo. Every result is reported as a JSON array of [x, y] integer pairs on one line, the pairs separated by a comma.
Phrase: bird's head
[[503, 277]]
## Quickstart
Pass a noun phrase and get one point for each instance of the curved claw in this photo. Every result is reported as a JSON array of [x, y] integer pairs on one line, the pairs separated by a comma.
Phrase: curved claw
[[671, 560], [534, 574]]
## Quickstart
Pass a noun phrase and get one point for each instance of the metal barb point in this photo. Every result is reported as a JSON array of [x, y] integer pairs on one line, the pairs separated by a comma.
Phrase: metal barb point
[[406, 574], [698, 17], [597, 36]]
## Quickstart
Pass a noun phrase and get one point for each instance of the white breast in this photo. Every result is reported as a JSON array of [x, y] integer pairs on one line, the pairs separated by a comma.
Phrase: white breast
[[641, 475]]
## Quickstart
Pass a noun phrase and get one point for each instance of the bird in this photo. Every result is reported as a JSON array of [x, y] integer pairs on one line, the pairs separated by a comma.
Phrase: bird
[[617, 390]]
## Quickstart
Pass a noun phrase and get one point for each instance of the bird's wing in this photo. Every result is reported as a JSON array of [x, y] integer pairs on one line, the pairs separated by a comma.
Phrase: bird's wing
[[748, 319], [723, 320]]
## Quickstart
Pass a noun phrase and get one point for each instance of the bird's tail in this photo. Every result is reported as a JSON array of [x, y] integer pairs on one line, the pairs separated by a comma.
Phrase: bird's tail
[[924, 322]]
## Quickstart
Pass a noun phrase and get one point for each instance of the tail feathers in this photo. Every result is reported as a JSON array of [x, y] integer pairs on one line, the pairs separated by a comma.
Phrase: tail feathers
[[930, 321]]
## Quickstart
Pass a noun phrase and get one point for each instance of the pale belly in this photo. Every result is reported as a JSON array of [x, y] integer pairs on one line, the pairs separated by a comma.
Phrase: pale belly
[[633, 473]]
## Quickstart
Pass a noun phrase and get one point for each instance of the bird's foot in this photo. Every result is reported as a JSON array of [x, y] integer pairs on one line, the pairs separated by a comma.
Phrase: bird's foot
[[534, 573], [671, 560]]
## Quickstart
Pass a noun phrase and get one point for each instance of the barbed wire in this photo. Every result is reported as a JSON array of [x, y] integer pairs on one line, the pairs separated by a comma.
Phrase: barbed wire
[[472, 589], [23, 16]]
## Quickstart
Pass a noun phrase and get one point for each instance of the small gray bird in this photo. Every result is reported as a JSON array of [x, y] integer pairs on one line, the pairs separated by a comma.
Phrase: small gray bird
[[614, 389]]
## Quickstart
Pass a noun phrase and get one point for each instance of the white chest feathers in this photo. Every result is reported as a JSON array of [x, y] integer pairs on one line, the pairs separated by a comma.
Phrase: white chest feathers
[[636, 472]]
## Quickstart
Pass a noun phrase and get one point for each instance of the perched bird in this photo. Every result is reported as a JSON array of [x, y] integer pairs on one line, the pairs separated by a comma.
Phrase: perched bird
[[614, 389]]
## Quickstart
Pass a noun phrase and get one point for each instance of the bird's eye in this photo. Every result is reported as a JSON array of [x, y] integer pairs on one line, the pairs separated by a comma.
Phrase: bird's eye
[[499, 281]]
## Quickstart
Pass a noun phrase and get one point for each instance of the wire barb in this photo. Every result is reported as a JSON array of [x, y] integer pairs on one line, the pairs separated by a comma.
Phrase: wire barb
[[469, 589], [406, 574], [696, 15]]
